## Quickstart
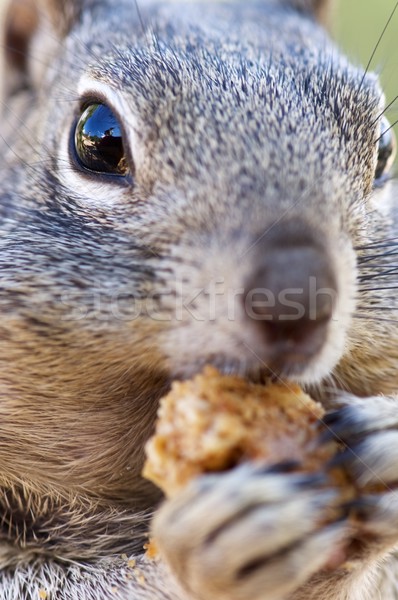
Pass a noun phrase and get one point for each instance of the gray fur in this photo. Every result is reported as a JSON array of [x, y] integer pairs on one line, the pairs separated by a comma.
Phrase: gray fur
[[244, 121]]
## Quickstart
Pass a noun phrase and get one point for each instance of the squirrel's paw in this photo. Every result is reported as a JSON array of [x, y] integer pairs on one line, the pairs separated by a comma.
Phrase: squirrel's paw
[[250, 533], [369, 430]]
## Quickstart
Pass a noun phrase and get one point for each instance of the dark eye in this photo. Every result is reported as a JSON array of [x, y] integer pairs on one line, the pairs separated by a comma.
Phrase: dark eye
[[99, 141], [387, 150]]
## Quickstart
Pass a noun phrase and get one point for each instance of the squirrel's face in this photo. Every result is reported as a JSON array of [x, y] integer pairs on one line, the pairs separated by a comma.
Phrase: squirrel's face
[[242, 172], [203, 188]]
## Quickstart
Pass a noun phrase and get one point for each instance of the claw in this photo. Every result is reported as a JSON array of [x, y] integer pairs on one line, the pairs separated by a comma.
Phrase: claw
[[297, 480], [362, 507], [332, 417], [326, 436], [284, 467], [344, 425], [341, 459], [312, 480]]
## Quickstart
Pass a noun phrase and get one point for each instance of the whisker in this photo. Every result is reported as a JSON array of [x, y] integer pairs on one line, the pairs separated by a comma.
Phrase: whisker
[[378, 244], [378, 44], [379, 288], [377, 276], [375, 307], [386, 131], [367, 260], [375, 271], [384, 111], [374, 319], [141, 20]]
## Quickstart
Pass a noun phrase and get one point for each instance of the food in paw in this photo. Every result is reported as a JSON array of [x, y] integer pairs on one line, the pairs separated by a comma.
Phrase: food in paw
[[215, 422]]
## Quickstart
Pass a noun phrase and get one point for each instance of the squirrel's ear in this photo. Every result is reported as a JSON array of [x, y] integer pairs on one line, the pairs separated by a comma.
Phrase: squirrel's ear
[[30, 30], [320, 8]]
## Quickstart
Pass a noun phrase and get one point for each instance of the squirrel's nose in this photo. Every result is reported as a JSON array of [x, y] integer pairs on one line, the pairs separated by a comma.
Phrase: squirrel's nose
[[291, 295]]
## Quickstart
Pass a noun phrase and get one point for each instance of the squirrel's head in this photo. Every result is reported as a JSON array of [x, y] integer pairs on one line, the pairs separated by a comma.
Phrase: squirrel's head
[[186, 183]]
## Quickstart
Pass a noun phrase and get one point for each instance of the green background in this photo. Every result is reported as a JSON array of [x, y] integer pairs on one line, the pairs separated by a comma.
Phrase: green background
[[358, 26]]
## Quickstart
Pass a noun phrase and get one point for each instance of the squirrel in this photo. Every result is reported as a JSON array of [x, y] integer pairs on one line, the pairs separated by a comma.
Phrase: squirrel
[[160, 161]]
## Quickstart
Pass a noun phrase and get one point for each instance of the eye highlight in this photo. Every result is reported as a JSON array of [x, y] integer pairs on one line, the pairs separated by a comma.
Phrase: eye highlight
[[387, 147], [98, 141]]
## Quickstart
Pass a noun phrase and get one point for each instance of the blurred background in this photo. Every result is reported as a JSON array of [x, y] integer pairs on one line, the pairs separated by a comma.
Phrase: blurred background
[[358, 27]]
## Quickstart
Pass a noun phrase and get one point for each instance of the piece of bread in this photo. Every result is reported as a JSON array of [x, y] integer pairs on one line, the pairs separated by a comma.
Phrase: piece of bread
[[214, 422]]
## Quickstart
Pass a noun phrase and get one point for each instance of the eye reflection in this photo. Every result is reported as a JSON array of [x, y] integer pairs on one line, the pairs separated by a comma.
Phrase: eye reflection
[[99, 141]]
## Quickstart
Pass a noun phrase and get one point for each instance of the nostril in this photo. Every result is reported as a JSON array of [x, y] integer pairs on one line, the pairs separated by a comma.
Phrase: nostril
[[304, 338], [291, 296]]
